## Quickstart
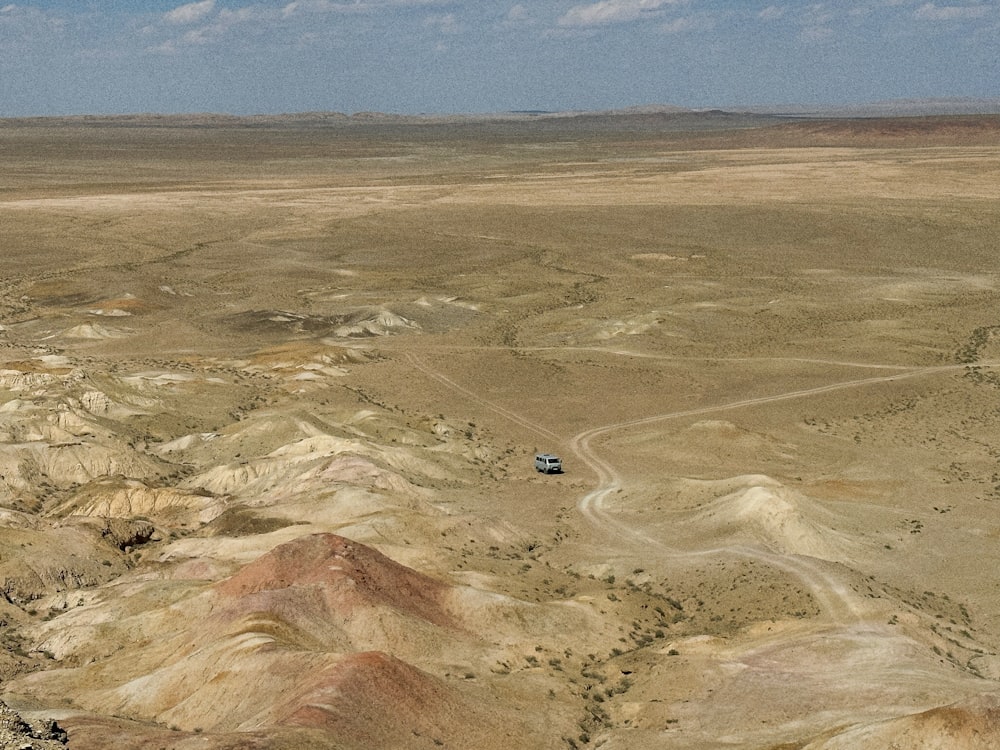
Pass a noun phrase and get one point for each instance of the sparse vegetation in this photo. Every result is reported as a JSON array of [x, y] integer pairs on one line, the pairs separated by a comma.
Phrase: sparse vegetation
[[766, 362]]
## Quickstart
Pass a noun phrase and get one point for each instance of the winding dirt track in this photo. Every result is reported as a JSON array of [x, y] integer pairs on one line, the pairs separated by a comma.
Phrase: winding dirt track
[[473, 396], [837, 601], [839, 604]]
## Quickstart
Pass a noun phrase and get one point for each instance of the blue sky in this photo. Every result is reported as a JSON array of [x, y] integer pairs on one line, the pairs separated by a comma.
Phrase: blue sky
[[447, 56]]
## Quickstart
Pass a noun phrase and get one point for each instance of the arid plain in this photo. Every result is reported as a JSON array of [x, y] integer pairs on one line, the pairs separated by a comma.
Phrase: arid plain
[[270, 390]]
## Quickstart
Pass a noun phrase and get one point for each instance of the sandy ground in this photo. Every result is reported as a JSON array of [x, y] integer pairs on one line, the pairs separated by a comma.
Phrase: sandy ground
[[269, 398]]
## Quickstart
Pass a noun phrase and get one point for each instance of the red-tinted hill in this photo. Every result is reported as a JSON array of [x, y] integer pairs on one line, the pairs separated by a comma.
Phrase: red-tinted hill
[[350, 574]]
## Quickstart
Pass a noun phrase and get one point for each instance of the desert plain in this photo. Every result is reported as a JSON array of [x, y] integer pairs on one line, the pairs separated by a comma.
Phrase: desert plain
[[271, 388]]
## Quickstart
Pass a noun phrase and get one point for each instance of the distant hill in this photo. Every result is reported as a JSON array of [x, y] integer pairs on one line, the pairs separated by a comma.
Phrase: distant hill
[[887, 108], [641, 118]]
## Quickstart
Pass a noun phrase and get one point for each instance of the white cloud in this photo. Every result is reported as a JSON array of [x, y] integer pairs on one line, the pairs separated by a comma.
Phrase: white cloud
[[243, 15], [207, 30], [932, 12], [163, 48], [816, 33], [190, 13], [351, 6], [12, 10], [817, 22], [198, 36], [31, 23], [690, 23], [818, 15], [517, 14], [612, 11], [307, 6], [445, 24], [771, 13]]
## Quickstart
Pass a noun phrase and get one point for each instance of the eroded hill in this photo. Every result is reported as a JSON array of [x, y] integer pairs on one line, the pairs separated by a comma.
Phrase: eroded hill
[[269, 399]]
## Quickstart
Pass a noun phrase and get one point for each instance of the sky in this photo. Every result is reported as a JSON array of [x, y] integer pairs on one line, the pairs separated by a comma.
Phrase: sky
[[63, 57]]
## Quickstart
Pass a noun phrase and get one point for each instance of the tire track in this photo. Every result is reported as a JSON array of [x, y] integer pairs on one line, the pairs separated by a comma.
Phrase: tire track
[[835, 599], [838, 602], [841, 605], [496, 408]]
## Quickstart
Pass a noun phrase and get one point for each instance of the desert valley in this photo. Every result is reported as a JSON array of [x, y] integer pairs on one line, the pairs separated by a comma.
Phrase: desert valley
[[271, 391]]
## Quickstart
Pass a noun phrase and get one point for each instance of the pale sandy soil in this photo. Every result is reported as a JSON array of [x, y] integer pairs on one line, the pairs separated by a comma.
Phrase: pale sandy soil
[[269, 398]]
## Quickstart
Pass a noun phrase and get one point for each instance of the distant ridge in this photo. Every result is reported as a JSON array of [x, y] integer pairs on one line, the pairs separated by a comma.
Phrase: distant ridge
[[643, 115], [675, 116], [886, 108]]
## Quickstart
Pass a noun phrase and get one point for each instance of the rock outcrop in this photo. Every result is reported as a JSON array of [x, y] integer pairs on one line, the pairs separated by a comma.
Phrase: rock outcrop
[[18, 734]]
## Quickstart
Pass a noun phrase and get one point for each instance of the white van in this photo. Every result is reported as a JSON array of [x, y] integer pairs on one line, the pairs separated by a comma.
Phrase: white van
[[548, 464]]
